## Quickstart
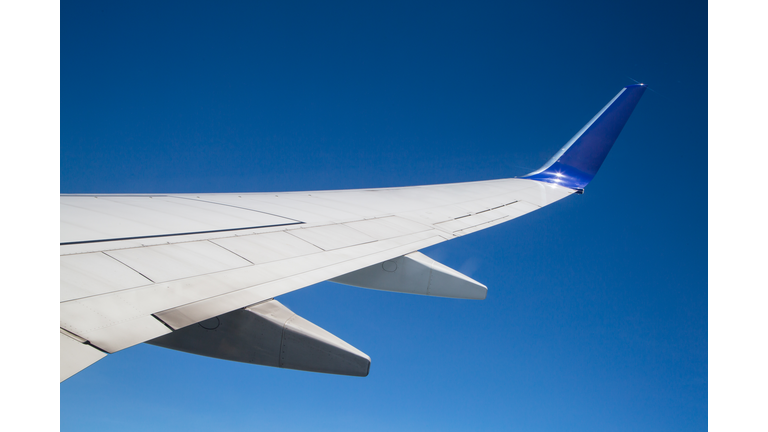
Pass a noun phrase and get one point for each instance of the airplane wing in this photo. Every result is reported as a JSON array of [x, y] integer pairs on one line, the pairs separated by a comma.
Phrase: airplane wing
[[199, 272]]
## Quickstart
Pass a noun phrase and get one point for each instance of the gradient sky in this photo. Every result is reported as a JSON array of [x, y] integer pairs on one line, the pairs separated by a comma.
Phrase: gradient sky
[[596, 315]]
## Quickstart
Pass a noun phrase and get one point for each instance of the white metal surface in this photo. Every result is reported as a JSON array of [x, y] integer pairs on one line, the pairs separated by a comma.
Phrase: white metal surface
[[90, 274], [200, 256], [177, 261], [387, 227], [264, 248], [332, 237]]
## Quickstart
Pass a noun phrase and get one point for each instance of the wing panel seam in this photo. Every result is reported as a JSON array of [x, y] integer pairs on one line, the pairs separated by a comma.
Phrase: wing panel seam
[[234, 206], [142, 274], [178, 234]]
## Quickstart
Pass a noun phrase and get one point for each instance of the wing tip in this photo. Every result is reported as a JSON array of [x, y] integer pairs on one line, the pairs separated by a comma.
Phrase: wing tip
[[577, 162]]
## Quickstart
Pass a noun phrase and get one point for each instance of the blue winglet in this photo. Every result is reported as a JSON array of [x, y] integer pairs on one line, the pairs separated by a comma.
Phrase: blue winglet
[[577, 162]]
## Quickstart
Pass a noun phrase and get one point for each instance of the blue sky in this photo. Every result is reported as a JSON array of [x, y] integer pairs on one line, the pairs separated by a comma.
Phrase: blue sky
[[596, 316]]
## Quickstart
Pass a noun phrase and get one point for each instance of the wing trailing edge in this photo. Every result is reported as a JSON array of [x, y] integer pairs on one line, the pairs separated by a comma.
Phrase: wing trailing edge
[[576, 164]]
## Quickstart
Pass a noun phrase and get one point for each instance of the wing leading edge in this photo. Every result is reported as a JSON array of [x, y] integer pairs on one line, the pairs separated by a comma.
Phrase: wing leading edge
[[141, 268]]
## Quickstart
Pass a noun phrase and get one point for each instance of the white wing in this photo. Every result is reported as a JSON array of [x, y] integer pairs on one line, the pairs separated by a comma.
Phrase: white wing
[[137, 268]]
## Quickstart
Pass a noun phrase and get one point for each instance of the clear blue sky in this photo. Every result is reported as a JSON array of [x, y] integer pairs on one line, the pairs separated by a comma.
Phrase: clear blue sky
[[596, 316]]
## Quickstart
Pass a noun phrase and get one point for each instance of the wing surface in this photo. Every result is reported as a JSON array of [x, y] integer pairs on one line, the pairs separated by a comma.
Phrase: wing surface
[[137, 267]]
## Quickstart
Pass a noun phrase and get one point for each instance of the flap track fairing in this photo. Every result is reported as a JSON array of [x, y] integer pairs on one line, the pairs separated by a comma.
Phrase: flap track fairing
[[269, 334], [415, 273]]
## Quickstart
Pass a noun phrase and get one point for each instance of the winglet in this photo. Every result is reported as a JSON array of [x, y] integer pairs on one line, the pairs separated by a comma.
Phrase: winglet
[[577, 162]]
